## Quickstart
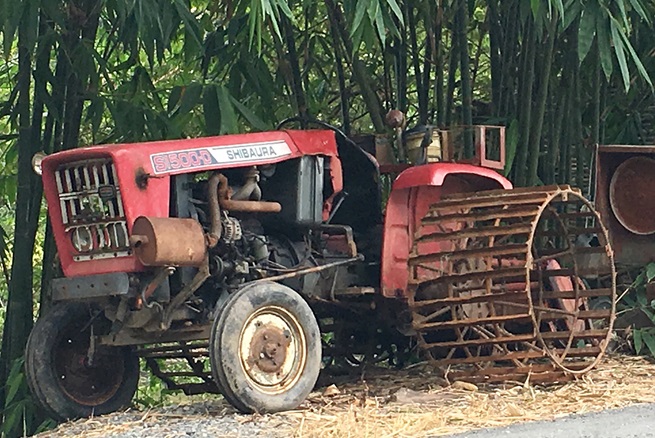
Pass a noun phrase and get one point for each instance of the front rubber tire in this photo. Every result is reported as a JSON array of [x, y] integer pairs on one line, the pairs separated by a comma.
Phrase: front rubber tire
[[59, 375], [265, 349]]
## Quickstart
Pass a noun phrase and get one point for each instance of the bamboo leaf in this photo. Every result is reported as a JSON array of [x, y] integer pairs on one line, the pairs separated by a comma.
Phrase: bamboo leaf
[[360, 12], [211, 111], [534, 6], [174, 99], [14, 380], [573, 10], [638, 341], [560, 8], [250, 116], [4, 244], [650, 271], [649, 340], [379, 24], [228, 116], [635, 58], [604, 48], [190, 98], [396, 10], [586, 33], [620, 53], [284, 7], [372, 10], [254, 23], [636, 5], [624, 14], [268, 10], [390, 26]]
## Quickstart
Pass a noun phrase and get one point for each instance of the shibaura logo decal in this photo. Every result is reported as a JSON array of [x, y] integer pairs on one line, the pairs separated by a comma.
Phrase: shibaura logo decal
[[217, 155]]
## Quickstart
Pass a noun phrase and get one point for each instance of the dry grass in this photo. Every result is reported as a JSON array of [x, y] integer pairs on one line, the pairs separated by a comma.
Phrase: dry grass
[[371, 409], [408, 403]]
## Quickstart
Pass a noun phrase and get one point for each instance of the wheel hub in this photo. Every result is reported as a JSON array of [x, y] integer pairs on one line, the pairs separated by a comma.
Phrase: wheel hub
[[269, 348], [272, 351], [88, 384]]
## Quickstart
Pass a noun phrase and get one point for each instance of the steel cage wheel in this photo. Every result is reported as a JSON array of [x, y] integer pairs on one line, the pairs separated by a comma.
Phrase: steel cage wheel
[[497, 284], [265, 349], [62, 378]]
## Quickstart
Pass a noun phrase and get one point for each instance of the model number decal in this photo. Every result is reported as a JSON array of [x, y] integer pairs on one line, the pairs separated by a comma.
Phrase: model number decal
[[216, 155], [181, 160]]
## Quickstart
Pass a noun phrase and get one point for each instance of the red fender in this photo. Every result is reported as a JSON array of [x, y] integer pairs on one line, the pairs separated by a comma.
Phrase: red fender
[[412, 194]]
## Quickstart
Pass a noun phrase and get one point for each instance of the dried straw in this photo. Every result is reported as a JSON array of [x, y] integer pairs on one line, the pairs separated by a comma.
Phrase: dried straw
[[409, 403], [370, 408]]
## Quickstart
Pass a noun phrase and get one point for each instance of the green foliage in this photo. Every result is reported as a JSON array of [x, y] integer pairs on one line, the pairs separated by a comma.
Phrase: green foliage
[[152, 392], [600, 19], [635, 299], [19, 411], [374, 18]]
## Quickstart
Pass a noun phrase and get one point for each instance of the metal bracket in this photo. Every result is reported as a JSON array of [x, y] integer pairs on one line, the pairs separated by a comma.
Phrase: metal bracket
[[185, 294]]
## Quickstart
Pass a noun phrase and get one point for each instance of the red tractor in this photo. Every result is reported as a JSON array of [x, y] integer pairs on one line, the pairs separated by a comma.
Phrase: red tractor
[[272, 255]]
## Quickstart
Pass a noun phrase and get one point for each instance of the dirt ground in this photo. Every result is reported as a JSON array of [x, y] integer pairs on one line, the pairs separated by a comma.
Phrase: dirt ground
[[386, 403]]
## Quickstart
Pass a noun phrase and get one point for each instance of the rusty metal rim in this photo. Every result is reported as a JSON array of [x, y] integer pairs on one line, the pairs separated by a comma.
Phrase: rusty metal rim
[[603, 343], [297, 348], [72, 361], [612, 197]]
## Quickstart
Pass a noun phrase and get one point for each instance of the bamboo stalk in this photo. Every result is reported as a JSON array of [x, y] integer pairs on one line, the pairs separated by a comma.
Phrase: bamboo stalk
[[465, 73], [526, 82], [360, 73], [439, 66], [452, 70], [341, 78], [296, 84], [537, 122], [495, 56]]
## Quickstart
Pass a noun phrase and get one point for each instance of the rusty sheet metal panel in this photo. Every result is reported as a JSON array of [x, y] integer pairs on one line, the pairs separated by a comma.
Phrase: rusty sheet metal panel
[[625, 199]]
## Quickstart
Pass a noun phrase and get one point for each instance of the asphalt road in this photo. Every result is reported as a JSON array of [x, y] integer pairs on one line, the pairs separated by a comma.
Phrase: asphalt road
[[632, 422]]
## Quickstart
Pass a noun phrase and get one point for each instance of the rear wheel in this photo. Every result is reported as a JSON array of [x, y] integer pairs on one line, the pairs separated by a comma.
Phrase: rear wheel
[[265, 349], [70, 377]]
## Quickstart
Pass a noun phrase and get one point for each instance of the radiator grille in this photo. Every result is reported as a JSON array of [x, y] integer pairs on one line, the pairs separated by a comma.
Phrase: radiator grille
[[92, 209]]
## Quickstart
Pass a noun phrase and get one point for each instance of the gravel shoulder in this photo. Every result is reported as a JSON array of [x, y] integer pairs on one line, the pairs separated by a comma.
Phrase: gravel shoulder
[[202, 419]]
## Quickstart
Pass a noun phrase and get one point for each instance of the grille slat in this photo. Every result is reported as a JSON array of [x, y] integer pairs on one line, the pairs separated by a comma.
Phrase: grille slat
[[62, 203], [69, 187], [92, 209], [118, 193]]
